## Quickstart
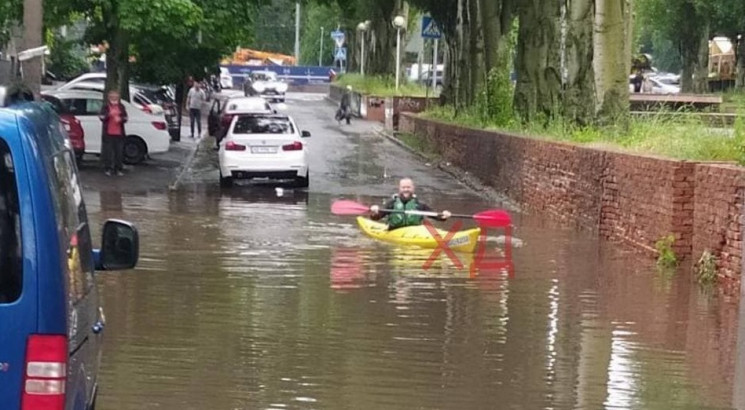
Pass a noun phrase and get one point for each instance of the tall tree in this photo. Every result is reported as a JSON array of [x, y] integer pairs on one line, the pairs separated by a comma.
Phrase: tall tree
[[612, 60], [538, 87], [579, 89]]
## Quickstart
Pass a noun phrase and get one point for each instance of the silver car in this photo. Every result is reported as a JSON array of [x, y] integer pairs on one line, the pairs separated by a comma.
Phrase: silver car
[[266, 84]]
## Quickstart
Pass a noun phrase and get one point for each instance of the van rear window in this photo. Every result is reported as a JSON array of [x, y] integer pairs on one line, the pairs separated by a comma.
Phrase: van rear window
[[11, 273]]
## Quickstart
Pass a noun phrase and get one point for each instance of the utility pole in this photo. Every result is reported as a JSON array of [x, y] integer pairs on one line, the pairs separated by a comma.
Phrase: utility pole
[[32, 38], [297, 33], [320, 54]]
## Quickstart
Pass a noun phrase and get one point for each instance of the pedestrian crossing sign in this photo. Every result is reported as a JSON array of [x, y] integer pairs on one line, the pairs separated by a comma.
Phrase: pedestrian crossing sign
[[340, 54], [429, 28]]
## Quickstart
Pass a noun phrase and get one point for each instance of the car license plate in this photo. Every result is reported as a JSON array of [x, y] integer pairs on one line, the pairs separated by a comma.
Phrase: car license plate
[[263, 150]]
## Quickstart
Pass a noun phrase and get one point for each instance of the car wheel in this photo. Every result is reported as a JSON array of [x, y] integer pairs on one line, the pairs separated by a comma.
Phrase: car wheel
[[135, 150], [226, 182], [303, 182]]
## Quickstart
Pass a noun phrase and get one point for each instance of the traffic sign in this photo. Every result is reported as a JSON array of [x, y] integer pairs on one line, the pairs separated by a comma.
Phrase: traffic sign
[[340, 54], [430, 29], [338, 37]]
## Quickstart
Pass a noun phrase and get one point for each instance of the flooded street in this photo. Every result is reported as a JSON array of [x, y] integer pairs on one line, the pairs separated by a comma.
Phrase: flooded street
[[244, 299]]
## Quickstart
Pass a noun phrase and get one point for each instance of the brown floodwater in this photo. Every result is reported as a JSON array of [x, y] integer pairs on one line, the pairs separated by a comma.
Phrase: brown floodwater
[[243, 300]]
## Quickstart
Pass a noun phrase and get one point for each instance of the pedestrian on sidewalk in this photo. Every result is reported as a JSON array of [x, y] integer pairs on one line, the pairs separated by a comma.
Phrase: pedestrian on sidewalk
[[195, 100], [113, 115]]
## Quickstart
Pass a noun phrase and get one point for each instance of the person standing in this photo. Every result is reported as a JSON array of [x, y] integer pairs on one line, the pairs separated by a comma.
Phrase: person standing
[[113, 115], [195, 100]]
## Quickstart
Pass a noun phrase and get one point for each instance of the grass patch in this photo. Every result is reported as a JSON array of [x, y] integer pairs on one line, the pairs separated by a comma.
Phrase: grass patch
[[706, 269], [381, 86], [666, 258], [680, 137]]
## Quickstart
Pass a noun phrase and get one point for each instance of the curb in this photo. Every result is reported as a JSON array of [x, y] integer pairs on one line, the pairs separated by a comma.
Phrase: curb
[[186, 166], [459, 175]]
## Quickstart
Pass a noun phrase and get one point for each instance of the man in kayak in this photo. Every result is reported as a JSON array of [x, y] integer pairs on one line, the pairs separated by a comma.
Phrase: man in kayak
[[405, 200]]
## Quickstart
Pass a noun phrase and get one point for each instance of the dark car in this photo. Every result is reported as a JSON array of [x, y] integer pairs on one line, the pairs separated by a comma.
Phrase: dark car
[[51, 319], [163, 97], [71, 124]]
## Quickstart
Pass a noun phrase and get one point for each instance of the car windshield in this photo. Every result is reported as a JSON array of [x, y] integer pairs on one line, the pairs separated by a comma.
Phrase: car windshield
[[264, 77], [246, 124]]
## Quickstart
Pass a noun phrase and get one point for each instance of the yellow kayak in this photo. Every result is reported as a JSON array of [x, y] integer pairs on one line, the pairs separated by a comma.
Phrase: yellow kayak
[[462, 241]]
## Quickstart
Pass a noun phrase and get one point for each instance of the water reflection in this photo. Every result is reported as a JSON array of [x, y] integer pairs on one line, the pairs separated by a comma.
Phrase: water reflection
[[248, 300], [739, 383]]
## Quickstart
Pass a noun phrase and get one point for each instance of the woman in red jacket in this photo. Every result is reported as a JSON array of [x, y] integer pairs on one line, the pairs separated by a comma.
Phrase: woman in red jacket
[[113, 115]]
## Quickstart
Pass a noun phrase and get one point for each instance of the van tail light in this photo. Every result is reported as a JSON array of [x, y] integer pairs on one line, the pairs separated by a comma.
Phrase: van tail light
[[295, 146], [232, 146], [46, 373], [160, 125]]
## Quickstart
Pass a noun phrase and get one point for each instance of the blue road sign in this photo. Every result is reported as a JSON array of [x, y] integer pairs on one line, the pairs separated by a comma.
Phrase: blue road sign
[[429, 28], [340, 54], [338, 37]]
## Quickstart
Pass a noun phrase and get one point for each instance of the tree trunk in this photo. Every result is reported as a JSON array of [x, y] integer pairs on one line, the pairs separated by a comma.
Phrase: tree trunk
[[492, 31], [477, 76], [117, 53], [461, 52], [579, 89], [612, 61], [32, 38], [740, 73], [701, 77], [538, 61]]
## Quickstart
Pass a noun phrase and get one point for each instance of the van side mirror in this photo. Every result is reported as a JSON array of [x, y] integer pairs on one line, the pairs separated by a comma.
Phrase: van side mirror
[[120, 246], [306, 134]]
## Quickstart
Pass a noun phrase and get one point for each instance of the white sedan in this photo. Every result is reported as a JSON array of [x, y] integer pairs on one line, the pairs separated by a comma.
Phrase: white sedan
[[264, 145], [146, 133]]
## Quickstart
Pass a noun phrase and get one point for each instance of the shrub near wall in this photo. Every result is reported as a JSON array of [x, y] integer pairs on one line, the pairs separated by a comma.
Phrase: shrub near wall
[[638, 199]]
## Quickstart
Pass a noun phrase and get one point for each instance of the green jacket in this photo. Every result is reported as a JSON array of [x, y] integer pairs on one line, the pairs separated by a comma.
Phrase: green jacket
[[400, 219]]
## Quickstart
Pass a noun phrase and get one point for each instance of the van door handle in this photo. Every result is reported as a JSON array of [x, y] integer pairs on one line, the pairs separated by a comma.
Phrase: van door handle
[[98, 327]]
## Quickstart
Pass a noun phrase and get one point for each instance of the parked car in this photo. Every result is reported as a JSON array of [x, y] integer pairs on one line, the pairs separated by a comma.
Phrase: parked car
[[264, 146], [161, 97], [87, 77], [136, 96], [72, 126], [222, 112], [51, 319], [266, 84], [146, 133]]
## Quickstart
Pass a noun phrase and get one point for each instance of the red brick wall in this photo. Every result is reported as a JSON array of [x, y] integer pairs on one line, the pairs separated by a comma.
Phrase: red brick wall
[[638, 199], [718, 202]]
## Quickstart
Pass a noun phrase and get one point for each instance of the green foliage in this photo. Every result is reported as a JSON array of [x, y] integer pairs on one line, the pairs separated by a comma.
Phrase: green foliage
[[380, 86], [66, 58], [10, 11], [275, 27], [706, 269], [317, 16], [666, 258]]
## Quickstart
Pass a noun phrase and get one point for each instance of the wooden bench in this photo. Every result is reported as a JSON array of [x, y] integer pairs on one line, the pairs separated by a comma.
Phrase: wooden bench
[[714, 120], [643, 102]]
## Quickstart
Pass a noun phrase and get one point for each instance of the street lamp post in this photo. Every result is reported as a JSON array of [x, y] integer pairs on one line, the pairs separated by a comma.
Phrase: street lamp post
[[399, 22], [320, 54], [362, 28]]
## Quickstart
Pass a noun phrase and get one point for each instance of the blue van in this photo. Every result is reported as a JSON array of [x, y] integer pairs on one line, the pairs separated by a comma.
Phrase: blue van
[[50, 317]]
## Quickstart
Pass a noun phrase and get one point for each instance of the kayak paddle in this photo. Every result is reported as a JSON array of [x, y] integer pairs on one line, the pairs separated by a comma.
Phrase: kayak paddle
[[492, 217]]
